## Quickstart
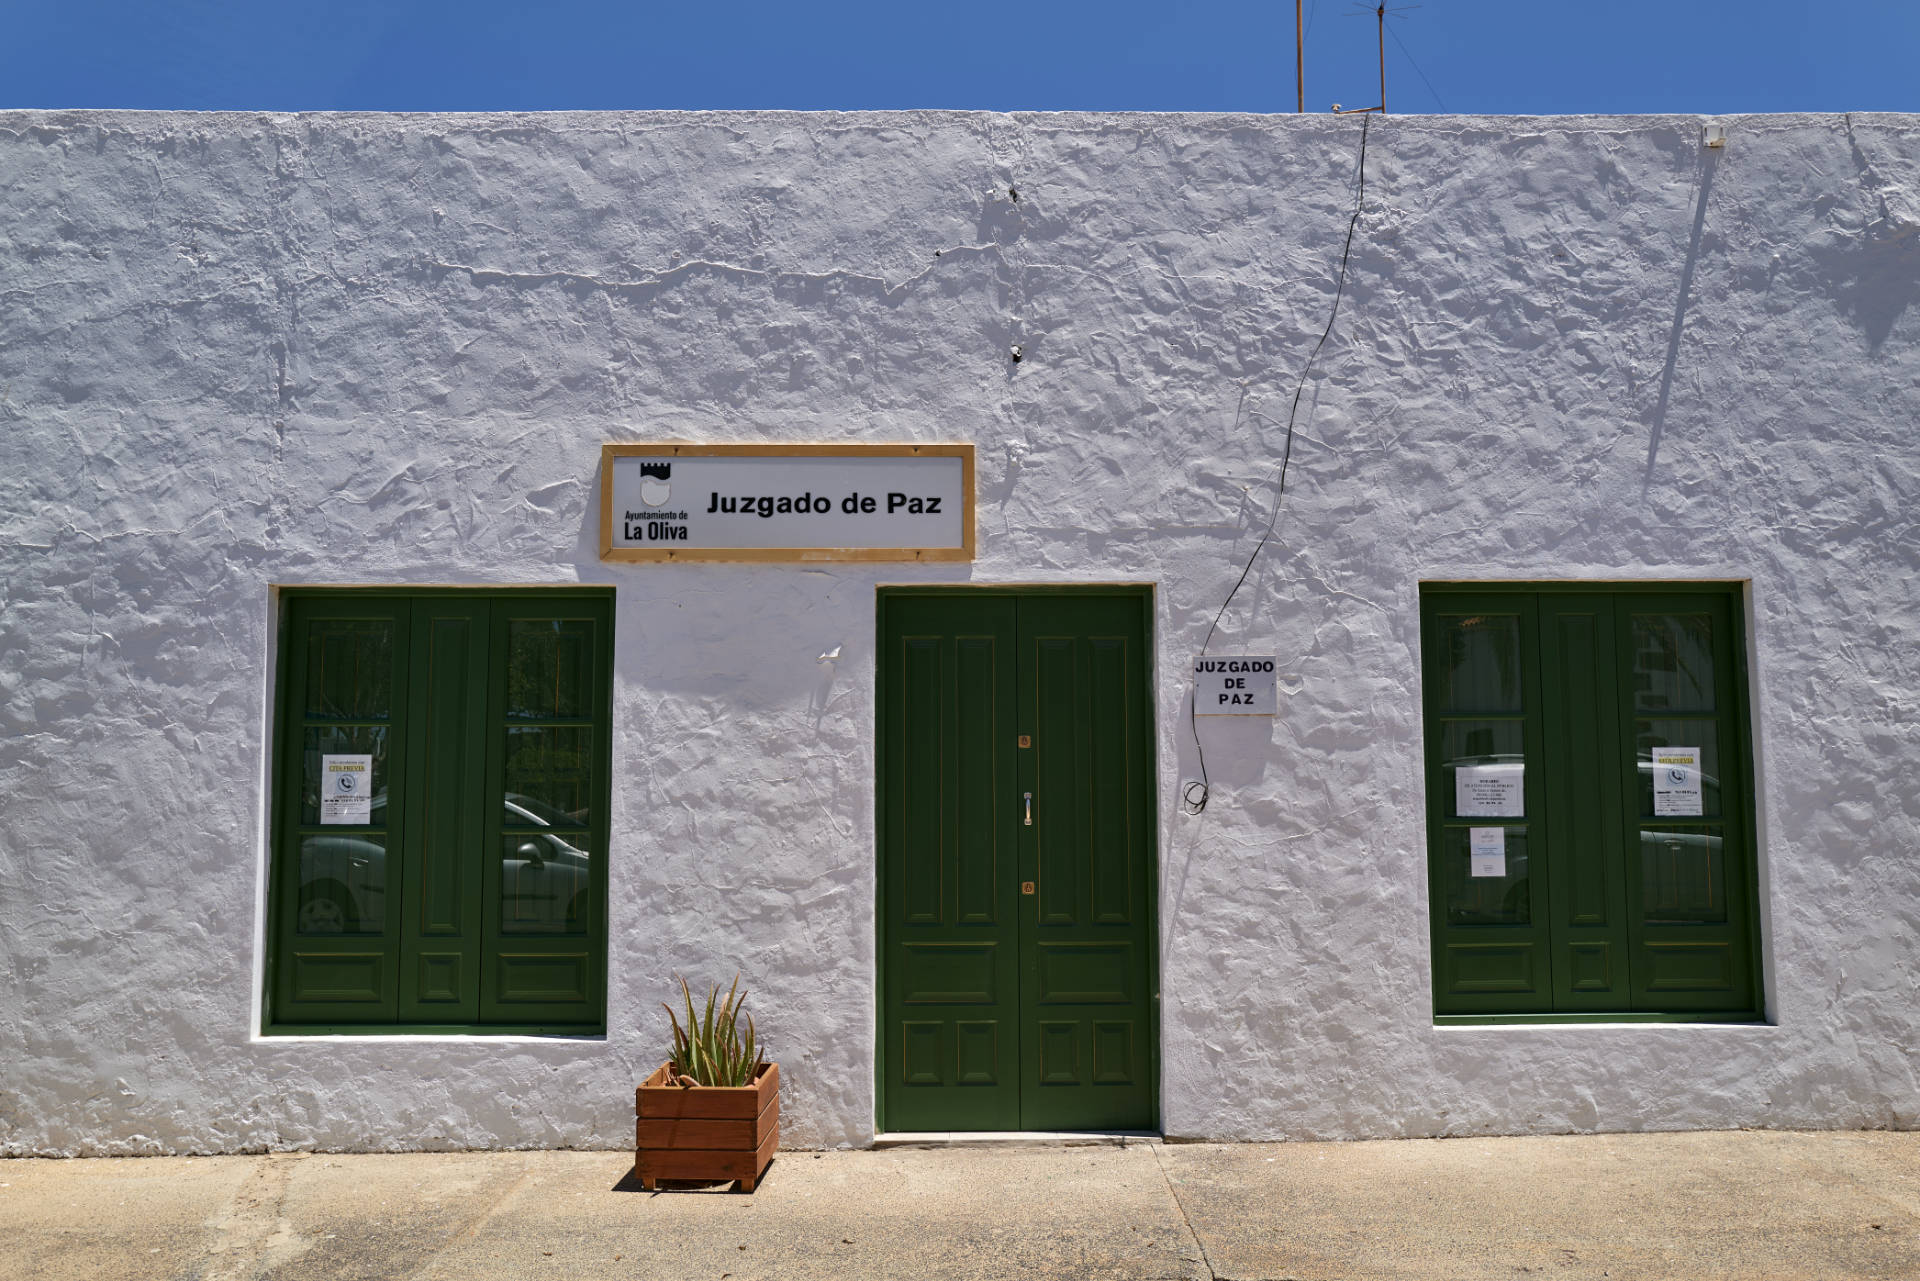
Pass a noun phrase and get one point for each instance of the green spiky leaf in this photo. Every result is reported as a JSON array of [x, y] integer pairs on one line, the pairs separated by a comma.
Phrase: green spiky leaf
[[710, 1049]]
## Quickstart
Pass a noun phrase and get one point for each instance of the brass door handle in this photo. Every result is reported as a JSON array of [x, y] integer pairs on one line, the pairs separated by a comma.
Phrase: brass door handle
[[1029, 799]]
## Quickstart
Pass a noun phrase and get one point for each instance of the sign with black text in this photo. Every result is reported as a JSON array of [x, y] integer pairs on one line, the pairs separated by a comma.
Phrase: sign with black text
[[1235, 685], [786, 502]]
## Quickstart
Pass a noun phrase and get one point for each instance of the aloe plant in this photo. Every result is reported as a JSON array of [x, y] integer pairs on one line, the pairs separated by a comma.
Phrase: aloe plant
[[710, 1050]]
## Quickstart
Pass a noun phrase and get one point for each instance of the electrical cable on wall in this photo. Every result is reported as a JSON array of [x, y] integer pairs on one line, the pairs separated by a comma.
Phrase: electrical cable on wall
[[1195, 794]]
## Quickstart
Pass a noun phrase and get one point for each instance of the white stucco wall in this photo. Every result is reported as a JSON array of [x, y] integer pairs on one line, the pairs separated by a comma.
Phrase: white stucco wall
[[239, 351]]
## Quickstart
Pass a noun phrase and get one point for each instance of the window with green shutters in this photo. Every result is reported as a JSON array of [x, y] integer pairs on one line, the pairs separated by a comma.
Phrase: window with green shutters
[[440, 811], [1589, 802]]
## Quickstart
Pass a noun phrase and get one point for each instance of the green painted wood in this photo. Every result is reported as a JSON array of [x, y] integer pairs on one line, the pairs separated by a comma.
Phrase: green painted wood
[[1086, 980], [949, 898], [1579, 692], [441, 905], [436, 915], [1001, 1009], [1647, 916], [547, 746], [1490, 940], [335, 945], [1689, 886]]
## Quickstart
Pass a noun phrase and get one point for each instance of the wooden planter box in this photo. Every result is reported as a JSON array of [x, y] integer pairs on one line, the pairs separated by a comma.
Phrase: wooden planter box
[[711, 1133]]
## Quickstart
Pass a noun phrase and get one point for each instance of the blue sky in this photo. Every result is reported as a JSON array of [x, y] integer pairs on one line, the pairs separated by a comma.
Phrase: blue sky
[[1479, 56]]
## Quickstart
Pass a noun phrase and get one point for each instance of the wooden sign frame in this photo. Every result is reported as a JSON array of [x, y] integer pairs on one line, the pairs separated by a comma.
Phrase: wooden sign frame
[[671, 449]]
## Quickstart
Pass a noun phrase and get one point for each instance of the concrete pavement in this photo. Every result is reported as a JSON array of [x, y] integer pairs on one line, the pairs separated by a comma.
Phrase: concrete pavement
[[1738, 1205]]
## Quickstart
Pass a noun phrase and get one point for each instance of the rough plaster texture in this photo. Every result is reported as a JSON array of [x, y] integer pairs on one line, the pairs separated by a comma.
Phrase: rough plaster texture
[[239, 351]]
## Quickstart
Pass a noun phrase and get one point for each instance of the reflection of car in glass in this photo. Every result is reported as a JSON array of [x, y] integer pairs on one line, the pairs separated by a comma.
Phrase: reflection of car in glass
[[545, 879], [343, 879]]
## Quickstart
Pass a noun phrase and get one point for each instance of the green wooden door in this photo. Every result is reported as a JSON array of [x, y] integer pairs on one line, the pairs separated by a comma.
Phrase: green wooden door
[[1588, 892], [1018, 979]]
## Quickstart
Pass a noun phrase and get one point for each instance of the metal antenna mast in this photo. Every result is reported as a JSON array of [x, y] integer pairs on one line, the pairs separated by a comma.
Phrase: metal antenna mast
[[1379, 12], [1299, 56]]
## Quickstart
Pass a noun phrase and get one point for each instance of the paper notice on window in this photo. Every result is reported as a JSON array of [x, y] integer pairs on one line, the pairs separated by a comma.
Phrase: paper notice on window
[[1676, 782], [1487, 851], [1489, 791], [346, 789]]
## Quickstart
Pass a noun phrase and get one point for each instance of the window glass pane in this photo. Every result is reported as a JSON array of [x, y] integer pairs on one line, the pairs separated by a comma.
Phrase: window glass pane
[[322, 741], [343, 883], [548, 668], [549, 774], [1672, 663], [1681, 799], [1477, 741], [350, 668], [1482, 662], [1487, 899], [546, 883], [1682, 878]]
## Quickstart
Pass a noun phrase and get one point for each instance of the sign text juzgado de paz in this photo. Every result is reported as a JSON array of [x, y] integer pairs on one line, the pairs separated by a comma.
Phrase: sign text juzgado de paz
[[1235, 685], [767, 506]]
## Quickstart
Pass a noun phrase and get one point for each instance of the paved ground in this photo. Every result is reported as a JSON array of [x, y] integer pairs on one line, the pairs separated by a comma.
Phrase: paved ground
[[1694, 1206]]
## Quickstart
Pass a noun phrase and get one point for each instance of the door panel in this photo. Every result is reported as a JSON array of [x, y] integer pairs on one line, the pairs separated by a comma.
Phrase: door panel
[[950, 1041], [1086, 979], [1004, 1009]]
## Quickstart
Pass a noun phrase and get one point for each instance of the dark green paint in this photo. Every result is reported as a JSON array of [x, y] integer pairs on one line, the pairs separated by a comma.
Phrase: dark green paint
[[1616, 911], [1002, 1010], [420, 920]]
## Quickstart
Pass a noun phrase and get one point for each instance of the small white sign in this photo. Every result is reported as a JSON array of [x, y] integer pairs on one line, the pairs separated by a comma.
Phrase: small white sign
[[1235, 685], [1676, 783], [1487, 851], [346, 789], [1489, 791]]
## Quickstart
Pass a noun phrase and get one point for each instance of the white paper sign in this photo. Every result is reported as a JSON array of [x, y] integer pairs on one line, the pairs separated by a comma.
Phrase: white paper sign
[[793, 503], [1487, 851], [1235, 685], [346, 789], [1676, 782], [1489, 791]]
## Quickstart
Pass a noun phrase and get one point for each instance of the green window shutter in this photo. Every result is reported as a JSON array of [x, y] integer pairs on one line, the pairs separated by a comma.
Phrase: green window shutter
[[1690, 881], [547, 741], [473, 895], [1490, 913], [440, 947], [1625, 910], [1585, 831], [337, 885]]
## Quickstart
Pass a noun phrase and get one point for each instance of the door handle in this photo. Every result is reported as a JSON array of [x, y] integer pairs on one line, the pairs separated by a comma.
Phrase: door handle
[[1028, 796]]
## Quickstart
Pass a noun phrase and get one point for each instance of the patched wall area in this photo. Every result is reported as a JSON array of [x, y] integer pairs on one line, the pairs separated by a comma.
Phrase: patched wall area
[[241, 351]]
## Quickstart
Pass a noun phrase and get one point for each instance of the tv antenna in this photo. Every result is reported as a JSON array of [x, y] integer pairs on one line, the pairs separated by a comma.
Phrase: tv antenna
[[1380, 14]]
